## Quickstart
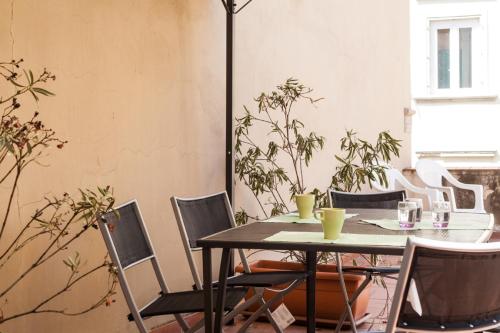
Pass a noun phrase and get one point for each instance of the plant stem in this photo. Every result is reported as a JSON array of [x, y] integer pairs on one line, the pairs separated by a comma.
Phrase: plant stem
[[58, 293], [22, 232], [40, 259], [9, 204], [257, 198]]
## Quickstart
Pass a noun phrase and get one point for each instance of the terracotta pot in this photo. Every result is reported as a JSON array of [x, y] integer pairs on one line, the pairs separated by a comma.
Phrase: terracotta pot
[[329, 299]]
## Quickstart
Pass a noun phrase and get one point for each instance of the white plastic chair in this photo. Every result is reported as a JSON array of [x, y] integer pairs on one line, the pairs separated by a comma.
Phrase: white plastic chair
[[432, 174], [394, 177]]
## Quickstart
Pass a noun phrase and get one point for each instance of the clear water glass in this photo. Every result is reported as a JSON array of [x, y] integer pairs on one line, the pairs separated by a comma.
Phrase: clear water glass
[[420, 206], [407, 214], [441, 214]]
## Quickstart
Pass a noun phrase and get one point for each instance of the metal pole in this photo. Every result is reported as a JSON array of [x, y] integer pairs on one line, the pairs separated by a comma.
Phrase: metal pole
[[229, 115], [229, 101]]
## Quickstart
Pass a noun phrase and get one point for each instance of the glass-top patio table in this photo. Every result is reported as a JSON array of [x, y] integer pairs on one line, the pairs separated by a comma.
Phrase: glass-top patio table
[[303, 237]]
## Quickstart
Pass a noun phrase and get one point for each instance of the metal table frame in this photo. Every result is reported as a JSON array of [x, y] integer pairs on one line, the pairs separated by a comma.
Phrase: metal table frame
[[251, 236]]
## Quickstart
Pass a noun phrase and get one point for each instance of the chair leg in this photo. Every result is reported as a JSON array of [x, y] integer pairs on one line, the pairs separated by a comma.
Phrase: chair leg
[[141, 326], [182, 323], [240, 308], [230, 316], [346, 295], [260, 299], [273, 322], [265, 308], [352, 300]]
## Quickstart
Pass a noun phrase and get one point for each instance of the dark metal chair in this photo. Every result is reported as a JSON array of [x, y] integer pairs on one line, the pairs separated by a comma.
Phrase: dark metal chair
[[128, 244], [446, 286], [203, 216], [386, 200]]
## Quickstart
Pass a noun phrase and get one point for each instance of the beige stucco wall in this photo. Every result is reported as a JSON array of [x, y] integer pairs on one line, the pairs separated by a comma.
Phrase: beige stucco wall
[[140, 97]]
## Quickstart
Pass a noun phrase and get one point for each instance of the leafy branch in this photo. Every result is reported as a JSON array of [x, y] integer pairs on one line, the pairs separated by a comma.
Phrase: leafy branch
[[74, 278], [273, 165], [21, 140], [262, 168], [60, 222], [362, 162]]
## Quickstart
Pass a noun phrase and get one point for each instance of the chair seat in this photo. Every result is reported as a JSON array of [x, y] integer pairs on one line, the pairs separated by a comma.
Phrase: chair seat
[[384, 270], [265, 279], [189, 302]]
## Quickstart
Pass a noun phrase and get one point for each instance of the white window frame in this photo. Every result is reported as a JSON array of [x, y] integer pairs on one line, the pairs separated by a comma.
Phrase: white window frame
[[479, 52]]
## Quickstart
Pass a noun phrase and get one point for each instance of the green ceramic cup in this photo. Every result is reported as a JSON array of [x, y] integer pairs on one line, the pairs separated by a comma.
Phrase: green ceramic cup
[[332, 220], [305, 205]]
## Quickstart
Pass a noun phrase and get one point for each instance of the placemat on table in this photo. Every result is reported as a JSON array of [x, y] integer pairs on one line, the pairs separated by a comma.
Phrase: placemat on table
[[294, 218], [427, 225], [345, 239]]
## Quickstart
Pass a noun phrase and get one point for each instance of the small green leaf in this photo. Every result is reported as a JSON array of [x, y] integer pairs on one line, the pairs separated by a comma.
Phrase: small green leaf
[[16, 84], [42, 91], [34, 95]]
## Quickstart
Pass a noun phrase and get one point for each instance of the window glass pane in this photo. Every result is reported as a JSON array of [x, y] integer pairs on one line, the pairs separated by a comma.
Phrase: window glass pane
[[465, 57], [443, 58]]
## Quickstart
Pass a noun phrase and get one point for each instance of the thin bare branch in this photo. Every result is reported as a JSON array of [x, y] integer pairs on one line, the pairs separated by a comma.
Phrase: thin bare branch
[[65, 289], [9, 203]]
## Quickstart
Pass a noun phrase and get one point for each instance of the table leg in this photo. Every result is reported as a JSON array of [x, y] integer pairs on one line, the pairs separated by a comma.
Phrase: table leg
[[231, 273], [207, 287], [219, 310], [311, 291], [346, 295]]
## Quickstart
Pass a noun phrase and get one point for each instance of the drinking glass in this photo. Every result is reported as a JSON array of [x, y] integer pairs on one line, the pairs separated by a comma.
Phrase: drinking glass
[[420, 205], [440, 214], [407, 213]]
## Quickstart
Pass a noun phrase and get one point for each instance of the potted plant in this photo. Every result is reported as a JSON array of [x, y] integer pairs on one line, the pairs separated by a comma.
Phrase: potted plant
[[329, 298], [273, 168]]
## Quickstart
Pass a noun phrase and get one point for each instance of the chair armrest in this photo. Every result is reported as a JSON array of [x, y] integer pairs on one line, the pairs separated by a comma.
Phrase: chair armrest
[[449, 192], [471, 187], [455, 182], [478, 195], [444, 189]]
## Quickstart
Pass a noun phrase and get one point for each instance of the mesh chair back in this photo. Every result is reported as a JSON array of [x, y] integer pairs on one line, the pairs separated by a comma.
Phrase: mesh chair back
[[385, 200], [128, 244], [127, 234], [201, 217], [204, 216], [457, 288]]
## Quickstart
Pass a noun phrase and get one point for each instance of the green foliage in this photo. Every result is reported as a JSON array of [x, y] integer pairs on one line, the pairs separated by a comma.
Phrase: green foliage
[[275, 165], [267, 168], [272, 167], [362, 162]]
